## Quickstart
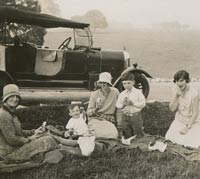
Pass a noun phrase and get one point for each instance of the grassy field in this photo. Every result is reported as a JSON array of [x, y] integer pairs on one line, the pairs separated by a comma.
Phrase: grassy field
[[122, 163], [161, 53]]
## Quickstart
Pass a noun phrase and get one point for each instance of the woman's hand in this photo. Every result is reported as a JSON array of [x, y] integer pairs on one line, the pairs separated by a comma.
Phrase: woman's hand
[[185, 130], [92, 112], [176, 91], [99, 103], [41, 129]]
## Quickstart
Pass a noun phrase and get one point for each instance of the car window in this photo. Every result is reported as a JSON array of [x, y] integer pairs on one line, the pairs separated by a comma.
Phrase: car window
[[83, 37]]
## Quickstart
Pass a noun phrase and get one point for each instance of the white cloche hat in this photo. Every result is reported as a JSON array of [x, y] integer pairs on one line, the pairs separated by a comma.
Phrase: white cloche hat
[[105, 77]]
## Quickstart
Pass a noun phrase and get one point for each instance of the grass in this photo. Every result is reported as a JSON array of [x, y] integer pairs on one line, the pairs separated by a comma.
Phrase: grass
[[121, 163]]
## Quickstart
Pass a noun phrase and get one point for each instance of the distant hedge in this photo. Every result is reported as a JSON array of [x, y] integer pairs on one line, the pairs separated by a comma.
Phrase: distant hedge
[[157, 116]]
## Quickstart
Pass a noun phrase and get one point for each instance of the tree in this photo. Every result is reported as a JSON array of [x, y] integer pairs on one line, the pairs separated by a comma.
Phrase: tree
[[50, 7], [94, 17], [32, 34]]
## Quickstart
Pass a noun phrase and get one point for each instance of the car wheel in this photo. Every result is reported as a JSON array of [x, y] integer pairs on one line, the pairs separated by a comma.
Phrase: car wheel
[[141, 83]]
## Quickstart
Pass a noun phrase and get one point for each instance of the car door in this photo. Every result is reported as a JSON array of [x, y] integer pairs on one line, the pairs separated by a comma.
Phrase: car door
[[79, 65], [75, 71]]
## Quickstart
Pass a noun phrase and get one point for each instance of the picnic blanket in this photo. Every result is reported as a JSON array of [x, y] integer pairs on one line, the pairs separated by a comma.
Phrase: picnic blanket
[[143, 144], [102, 144]]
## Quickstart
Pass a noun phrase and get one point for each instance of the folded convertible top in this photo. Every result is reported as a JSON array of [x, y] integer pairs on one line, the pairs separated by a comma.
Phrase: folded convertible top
[[10, 14]]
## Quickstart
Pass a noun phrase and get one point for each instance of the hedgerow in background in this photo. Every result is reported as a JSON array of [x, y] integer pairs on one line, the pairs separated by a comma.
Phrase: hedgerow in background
[[157, 116], [33, 116]]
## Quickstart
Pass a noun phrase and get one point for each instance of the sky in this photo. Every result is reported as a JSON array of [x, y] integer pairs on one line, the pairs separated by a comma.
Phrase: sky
[[139, 13]]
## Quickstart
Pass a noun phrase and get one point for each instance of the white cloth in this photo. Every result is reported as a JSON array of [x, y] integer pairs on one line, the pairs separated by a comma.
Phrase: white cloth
[[190, 139], [78, 125], [182, 118], [87, 145], [135, 96], [158, 145]]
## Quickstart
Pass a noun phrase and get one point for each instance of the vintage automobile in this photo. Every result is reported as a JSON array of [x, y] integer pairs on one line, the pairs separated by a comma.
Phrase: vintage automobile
[[76, 68]]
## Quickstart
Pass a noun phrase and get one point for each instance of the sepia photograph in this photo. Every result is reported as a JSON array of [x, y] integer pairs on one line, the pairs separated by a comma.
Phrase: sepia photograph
[[99, 89]]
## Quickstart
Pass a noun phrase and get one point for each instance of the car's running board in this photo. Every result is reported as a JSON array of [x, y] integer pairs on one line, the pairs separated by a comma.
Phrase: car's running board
[[30, 96], [53, 81]]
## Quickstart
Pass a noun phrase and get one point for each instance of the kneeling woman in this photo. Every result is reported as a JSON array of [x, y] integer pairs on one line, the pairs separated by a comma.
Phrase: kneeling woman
[[101, 109], [185, 129], [17, 145]]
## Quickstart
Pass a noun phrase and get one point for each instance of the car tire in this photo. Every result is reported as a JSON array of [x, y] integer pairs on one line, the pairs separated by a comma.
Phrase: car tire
[[141, 83]]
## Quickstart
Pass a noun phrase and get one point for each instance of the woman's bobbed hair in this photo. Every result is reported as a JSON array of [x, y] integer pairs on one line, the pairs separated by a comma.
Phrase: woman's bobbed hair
[[182, 74]]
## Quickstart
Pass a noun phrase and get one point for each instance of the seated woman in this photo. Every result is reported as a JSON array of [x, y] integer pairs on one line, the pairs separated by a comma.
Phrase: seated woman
[[185, 129], [101, 109], [17, 145]]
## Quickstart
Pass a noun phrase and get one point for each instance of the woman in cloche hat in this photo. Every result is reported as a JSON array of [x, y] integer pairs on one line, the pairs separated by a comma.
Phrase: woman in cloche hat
[[101, 108], [17, 145]]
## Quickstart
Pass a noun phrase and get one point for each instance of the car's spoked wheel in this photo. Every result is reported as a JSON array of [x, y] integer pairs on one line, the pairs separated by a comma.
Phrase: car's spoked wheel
[[142, 84], [1, 91]]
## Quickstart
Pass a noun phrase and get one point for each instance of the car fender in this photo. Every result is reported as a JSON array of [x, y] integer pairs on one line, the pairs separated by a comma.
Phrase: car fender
[[134, 70]]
